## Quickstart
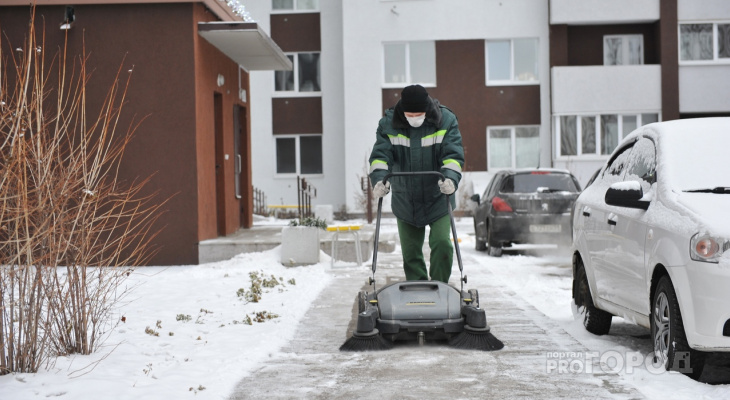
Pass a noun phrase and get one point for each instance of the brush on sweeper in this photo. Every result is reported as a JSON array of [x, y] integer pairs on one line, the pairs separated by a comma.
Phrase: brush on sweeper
[[420, 310]]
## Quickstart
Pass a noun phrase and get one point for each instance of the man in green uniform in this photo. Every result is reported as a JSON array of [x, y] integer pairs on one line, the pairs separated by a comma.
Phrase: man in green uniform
[[419, 134]]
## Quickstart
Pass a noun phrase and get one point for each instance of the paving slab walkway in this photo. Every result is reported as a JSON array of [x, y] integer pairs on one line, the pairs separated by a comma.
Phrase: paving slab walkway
[[312, 367]]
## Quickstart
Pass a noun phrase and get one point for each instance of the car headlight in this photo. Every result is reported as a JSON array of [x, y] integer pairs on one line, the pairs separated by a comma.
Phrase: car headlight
[[707, 248]]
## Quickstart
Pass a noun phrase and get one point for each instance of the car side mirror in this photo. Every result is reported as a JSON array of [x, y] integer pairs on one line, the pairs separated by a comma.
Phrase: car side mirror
[[626, 194], [475, 198]]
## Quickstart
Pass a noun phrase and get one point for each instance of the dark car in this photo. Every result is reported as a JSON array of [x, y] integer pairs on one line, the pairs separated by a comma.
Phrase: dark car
[[525, 206]]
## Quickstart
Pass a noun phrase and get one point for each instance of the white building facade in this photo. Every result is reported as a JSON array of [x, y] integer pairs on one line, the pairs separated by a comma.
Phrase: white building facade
[[553, 83]]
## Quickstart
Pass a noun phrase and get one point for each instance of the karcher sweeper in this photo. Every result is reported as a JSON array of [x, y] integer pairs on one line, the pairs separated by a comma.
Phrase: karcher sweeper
[[420, 310]]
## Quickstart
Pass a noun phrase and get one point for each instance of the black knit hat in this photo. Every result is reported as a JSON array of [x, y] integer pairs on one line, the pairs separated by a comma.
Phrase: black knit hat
[[414, 98]]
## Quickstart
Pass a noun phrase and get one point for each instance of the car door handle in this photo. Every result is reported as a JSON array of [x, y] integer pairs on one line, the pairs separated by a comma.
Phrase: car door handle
[[612, 219], [586, 211]]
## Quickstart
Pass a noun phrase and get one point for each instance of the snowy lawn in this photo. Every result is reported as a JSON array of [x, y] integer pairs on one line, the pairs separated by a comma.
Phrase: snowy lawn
[[181, 324]]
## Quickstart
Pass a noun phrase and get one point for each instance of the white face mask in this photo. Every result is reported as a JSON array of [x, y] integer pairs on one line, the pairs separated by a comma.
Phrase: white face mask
[[416, 121]]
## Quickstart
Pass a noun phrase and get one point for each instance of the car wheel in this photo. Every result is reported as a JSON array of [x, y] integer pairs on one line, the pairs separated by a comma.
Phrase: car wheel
[[597, 322], [479, 245], [667, 331], [494, 249]]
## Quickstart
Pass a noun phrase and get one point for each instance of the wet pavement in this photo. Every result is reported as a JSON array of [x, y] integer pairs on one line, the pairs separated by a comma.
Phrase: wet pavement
[[312, 367]]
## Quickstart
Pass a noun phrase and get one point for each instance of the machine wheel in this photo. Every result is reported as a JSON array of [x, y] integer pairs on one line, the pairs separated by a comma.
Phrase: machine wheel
[[597, 322], [667, 331], [362, 301], [474, 297]]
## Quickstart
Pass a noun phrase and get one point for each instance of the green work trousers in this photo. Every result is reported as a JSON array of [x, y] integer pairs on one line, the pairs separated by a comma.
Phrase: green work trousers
[[439, 241]]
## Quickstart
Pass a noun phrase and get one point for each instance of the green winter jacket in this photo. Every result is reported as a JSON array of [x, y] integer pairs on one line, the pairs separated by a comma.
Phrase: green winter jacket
[[434, 146]]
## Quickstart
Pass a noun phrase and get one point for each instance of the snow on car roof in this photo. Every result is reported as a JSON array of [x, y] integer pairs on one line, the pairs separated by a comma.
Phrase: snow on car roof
[[691, 153]]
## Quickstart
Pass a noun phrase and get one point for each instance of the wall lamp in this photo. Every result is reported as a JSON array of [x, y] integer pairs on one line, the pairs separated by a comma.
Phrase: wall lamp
[[68, 19]]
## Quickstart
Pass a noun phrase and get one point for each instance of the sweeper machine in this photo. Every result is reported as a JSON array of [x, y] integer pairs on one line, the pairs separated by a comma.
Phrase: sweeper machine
[[420, 310]]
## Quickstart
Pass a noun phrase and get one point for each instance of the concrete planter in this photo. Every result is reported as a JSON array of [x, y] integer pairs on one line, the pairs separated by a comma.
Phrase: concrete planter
[[299, 245]]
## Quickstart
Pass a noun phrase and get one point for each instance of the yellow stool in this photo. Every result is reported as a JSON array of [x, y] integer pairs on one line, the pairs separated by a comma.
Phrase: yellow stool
[[354, 230]]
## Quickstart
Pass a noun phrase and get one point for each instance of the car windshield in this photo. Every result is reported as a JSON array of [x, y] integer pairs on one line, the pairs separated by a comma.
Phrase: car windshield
[[543, 182], [695, 160]]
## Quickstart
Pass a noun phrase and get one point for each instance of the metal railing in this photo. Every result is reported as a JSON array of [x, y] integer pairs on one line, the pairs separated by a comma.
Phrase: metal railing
[[259, 202], [305, 193]]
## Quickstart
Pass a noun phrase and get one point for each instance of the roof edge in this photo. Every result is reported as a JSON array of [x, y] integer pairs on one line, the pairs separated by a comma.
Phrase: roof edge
[[219, 8]]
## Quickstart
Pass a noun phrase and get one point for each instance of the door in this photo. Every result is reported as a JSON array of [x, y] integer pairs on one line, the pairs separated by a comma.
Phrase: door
[[626, 270], [598, 231], [243, 183], [220, 188]]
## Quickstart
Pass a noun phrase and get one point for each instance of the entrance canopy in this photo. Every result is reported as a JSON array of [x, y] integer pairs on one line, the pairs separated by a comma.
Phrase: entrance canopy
[[246, 44]]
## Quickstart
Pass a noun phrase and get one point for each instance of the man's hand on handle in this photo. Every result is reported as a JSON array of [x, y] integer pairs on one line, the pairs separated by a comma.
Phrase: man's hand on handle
[[447, 186], [380, 189]]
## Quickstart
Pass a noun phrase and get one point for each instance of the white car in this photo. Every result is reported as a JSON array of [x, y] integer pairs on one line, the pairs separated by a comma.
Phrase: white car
[[651, 240]]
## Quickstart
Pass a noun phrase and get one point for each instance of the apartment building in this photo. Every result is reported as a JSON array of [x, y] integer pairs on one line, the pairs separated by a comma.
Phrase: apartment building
[[550, 83], [622, 64], [606, 63], [494, 75]]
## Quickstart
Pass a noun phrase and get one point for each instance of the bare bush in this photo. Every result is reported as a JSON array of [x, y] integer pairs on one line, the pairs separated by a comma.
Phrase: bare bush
[[361, 196], [68, 225]]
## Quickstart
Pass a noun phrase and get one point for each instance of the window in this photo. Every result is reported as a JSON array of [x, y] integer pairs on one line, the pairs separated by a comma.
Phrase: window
[[610, 132], [582, 135], [304, 76], [623, 49], [705, 42], [299, 154], [407, 63], [568, 128], [513, 147], [513, 61], [616, 168], [531, 182], [294, 5], [642, 163], [588, 134]]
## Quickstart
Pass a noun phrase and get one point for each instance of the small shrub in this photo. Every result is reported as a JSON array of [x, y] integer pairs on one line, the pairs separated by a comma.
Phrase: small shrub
[[183, 318], [263, 316], [258, 282], [309, 221], [270, 283]]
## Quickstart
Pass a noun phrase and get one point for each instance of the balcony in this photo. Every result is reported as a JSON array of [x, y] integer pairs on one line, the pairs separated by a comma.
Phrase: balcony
[[606, 89], [704, 88], [590, 12]]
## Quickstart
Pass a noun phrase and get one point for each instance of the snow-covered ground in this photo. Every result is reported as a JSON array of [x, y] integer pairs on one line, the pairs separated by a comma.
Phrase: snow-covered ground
[[182, 323]]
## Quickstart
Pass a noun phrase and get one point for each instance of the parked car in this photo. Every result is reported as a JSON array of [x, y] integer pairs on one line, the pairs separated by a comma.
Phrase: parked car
[[525, 206], [651, 240], [592, 178]]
